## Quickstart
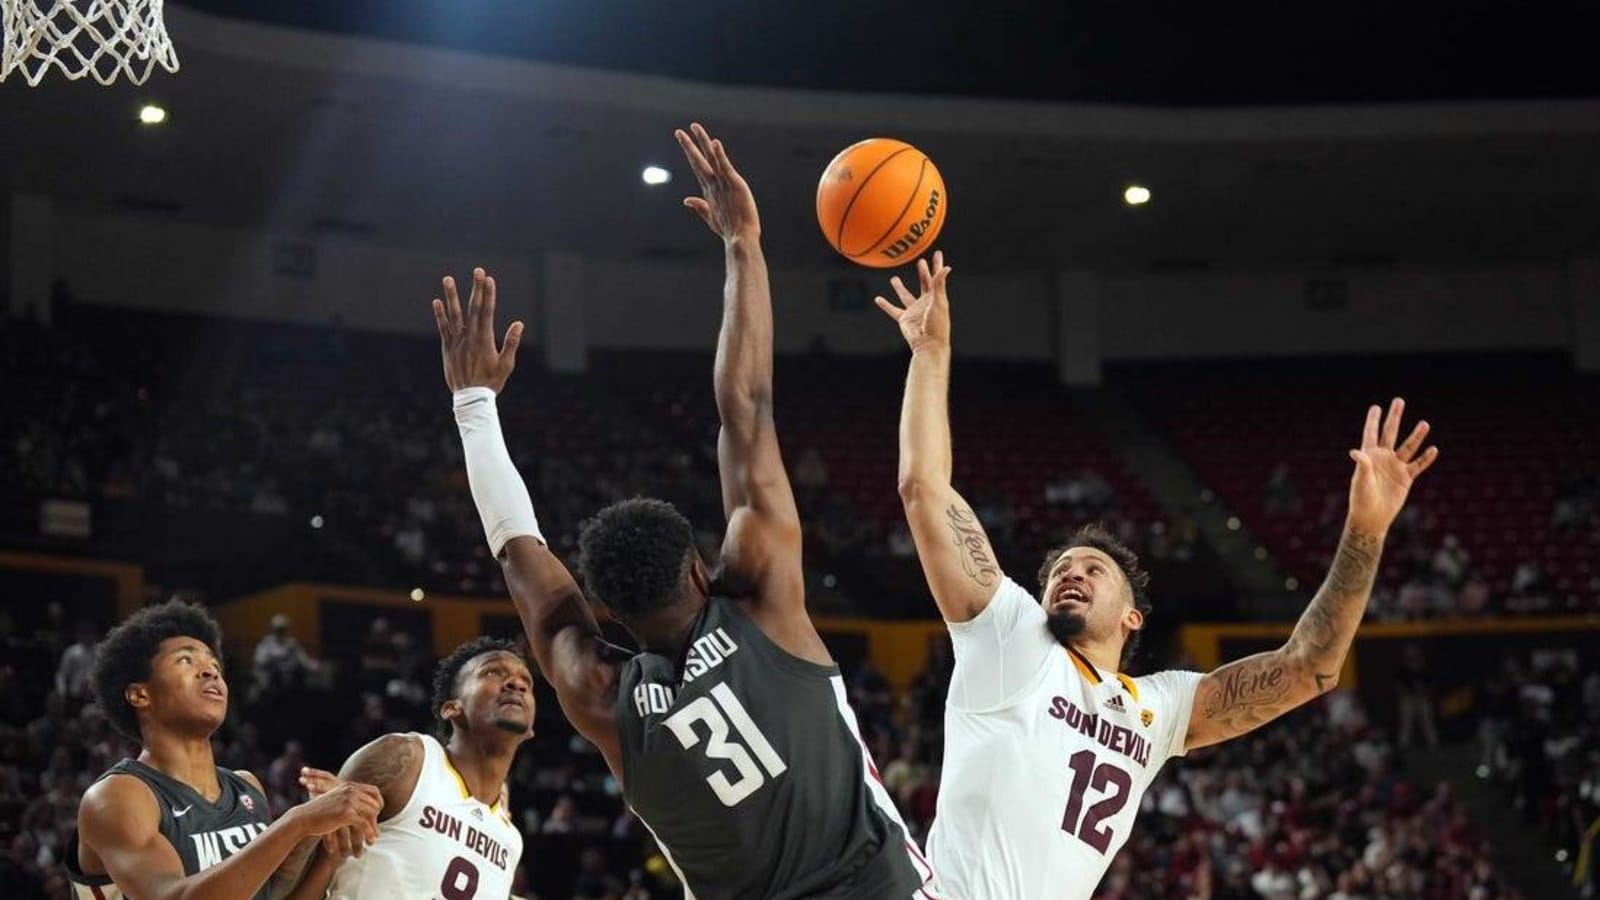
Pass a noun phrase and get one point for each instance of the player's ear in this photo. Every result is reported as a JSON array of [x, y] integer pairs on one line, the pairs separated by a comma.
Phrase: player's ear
[[137, 695], [699, 575], [450, 710], [1132, 618]]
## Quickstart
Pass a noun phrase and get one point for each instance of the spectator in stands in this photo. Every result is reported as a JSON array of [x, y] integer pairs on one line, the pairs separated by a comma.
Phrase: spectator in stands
[[283, 776], [811, 472], [72, 674], [563, 818], [281, 663], [1414, 689], [1281, 498], [594, 882], [1450, 561]]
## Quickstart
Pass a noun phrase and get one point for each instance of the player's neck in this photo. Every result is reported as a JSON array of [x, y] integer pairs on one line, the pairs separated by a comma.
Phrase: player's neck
[[667, 632], [186, 758], [483, 764], [1104, 657]]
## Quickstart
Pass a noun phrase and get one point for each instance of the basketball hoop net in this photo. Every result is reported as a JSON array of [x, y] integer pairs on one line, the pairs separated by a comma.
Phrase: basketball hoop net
[[98, 38]]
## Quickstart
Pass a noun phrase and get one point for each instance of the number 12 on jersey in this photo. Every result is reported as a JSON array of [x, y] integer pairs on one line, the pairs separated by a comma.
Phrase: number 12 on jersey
[[718, 712], [1117, 784]]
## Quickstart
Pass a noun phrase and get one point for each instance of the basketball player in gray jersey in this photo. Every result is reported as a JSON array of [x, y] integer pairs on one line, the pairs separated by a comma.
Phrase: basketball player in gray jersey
[[172, 824], [728, 730]]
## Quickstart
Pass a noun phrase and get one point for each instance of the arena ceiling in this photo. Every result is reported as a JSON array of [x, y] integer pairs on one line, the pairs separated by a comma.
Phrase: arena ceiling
[[1125, 52], [307, 132]]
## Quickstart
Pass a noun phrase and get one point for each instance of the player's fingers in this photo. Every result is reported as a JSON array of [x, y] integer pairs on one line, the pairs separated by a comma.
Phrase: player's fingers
[[697, 160], [701, 208], [475, 299], [938, 260], [894, 312], [330, 845], [1424, 462], [1369, 432], [440, 319], [452, 302], [1363, 463], [924, 276], [1391, 424], [318, 781], [906, 297], [486, 311], [1413, 443], [508, 350]]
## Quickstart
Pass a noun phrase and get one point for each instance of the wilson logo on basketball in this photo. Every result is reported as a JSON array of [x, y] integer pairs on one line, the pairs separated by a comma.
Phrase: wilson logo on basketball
[[914, 234]]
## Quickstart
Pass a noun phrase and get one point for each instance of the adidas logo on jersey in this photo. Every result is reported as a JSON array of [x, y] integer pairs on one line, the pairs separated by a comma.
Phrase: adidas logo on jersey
[[1115, 704]]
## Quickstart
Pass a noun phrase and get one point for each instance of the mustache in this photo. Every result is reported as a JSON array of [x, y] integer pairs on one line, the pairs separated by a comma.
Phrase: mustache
[[1064, 626]]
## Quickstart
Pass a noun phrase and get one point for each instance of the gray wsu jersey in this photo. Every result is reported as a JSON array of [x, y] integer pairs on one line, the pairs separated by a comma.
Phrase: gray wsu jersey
[[202, 832], [746, 764]]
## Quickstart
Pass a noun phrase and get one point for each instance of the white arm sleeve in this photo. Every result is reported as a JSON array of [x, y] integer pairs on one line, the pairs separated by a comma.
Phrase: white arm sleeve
[[1000, 651], [1170, 696], [497, 489]]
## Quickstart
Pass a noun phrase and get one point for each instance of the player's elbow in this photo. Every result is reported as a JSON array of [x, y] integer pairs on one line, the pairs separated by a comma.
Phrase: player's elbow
[[917, 486]]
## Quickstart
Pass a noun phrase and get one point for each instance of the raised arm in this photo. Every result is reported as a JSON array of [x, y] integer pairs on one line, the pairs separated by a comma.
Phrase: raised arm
[[562, 632], [956, 555], [118, 820], [761, 552], [1244, 695]]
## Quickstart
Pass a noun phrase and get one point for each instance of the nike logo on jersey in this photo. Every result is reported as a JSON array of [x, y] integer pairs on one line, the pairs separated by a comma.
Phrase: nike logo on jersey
[[1104, 731], [180, 813]]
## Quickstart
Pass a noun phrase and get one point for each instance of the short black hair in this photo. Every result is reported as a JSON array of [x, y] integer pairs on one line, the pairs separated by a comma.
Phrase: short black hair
[[1096, 536], [124, 657], [449, 671], [633, 555]]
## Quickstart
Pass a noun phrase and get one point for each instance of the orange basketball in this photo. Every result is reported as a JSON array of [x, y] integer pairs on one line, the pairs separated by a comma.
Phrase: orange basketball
[[881, 203]]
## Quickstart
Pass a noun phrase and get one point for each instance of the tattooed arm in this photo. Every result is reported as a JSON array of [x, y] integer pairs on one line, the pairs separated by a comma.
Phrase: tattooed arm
[[391, 764], [956, 555], [1244, 695]]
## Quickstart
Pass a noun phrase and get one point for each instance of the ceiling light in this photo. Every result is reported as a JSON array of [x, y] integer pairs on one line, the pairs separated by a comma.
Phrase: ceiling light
[[655, 175], [1136, 195], [151, 114]]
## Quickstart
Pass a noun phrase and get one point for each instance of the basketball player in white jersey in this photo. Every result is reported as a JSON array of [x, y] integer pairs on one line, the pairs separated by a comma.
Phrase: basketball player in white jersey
[[445, 830], [1048, 747]]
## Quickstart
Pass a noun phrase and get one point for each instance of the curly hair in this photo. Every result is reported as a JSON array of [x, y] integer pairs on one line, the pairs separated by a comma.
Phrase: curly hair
[[447, 676], [124, 657], [1096, 536], [633, 555]]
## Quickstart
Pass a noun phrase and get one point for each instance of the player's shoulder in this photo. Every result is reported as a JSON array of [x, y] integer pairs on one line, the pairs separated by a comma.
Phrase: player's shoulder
[[1169, 683], [393, 750], [250, 778], [119, 799]]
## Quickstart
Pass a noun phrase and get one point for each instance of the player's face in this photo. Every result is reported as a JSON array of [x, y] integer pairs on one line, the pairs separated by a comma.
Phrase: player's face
[[497, 692], [186, 686], [1088, 592]]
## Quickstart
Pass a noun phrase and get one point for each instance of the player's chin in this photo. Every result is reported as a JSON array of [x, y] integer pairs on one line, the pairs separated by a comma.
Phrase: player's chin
[[517, 724], [1065, 625]]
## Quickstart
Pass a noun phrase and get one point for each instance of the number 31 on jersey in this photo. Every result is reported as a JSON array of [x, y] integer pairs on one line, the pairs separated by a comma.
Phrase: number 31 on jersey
[[718, 712]]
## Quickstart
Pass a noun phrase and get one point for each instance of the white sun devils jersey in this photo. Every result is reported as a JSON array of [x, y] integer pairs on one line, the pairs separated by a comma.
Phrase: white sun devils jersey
[[746, 764], [443, 844], [1045, 759], [203, 833]]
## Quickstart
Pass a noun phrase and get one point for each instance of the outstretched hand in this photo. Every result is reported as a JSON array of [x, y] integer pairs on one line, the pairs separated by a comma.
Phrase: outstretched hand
[[467, 342], [924, 319], [342, 843], [1385, 473], [726, 204]]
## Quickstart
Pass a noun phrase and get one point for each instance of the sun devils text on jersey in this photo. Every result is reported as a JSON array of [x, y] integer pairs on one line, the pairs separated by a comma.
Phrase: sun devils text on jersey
[[746, 764], [1046, 757]]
